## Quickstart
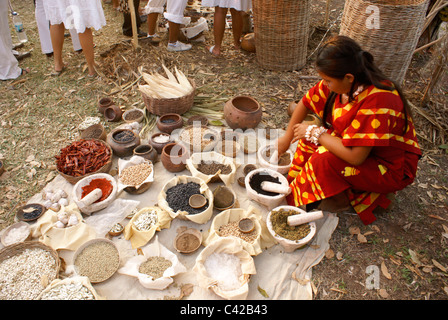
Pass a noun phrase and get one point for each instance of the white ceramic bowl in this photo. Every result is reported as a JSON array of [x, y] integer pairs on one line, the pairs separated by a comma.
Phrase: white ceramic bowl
[[268, 201], [291, 245]]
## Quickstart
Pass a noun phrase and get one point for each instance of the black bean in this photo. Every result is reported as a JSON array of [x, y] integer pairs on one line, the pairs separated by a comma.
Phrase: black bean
[[179, 195]]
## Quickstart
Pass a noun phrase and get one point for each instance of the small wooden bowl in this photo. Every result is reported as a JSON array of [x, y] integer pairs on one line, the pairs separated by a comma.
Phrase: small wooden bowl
[[246, 225], [197, 118], [197, 201], [248, 168], [21, 213], [117, 232], [188, 240], [242, 181], [224, 198], [95, 131]]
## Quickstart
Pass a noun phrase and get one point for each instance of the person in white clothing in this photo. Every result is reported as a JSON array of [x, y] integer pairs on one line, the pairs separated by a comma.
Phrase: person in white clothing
[[82, 15], [43, 28], [175, 16], [237, 8], [9, 66]]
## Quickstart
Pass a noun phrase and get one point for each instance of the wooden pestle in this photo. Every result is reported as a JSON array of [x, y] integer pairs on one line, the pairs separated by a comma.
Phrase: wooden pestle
[[90, 198], [275, 187], [304, 217]]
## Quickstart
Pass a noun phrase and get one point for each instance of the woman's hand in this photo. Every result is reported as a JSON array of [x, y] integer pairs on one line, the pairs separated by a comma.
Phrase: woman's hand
[[299, 131], [283, 144]]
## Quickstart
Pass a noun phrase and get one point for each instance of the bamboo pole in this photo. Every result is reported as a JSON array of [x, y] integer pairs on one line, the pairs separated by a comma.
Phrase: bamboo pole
[[134, 24]]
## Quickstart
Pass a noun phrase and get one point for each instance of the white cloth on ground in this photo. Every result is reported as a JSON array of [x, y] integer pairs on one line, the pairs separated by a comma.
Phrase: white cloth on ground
[[77, 14], [9, 66], [240, 5], [43, 27]]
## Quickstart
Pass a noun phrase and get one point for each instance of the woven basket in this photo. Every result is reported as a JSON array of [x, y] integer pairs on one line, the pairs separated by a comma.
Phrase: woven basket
[[394, 40], [104, 169], [281, 33], [180, 105], [17, 248]]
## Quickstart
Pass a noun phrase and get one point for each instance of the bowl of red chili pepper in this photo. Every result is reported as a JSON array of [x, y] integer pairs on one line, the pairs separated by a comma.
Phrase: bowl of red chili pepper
[[82, 158]]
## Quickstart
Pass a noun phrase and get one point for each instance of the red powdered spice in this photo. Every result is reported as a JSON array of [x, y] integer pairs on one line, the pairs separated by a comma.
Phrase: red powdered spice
[[101, 183]]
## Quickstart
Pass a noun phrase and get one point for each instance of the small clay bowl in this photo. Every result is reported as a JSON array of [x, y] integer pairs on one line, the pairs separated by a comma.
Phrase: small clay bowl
[[104, 103], [133, 115], [197, 118], [224, 198], [113, 113], [21, 213], [158, 146], [197, 201], [188, 240], [174, 157], [116, 230], [248, 168], [229, 134], [95, 131], [169, 122], [246, 225], [242, 181]]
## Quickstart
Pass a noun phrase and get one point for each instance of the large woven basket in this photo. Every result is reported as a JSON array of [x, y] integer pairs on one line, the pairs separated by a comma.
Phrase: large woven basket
[[180, 105], [388, 29], [281, 33], [104, 169]]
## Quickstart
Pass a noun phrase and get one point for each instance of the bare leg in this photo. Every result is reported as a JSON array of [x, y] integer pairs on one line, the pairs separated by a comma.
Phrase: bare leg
[[57, 40], [174, 29], [237, 27], [219, 25], [86, 40], [152, 23]]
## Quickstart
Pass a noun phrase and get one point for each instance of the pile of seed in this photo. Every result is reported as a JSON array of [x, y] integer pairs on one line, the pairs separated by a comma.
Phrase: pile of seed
[[179, 195], [32, 211], [98, 261], [146, 220], [212, 167], [279, 220], [135, 175], [25, 275], [231, 229], [132, 115], [155, 266], [198, 136], [68, 291]]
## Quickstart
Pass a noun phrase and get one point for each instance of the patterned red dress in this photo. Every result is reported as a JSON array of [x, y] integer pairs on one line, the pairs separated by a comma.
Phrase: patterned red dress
[[374, 119]]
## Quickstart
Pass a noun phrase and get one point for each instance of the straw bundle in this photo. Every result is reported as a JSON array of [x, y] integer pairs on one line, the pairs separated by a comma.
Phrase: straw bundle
[[281, 33], [389, 29]]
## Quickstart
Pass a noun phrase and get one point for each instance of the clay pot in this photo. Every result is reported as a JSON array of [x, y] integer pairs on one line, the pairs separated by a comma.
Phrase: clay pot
[[174, 157], [169, 122], [123, 147], [146, 151], [158, 146], [133, 115], [248, 42], [104, 103], [312, 119], [242, 112], [95, 131], [291, 107], [2, 168], [113, 113]]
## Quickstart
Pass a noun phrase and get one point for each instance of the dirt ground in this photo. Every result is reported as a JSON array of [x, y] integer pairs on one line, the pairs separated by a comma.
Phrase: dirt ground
[[402, 256]]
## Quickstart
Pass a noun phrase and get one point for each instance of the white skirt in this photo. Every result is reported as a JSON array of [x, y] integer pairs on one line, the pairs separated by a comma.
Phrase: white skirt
[[77, 14], [174, 9], [240, 5]]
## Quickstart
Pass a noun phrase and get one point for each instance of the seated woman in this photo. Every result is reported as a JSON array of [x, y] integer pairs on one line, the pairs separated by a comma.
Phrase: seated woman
[[366, 148]]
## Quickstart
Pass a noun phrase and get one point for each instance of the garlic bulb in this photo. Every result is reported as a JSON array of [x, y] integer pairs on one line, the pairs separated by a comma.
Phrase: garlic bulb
[[59, 224], [63, 202], [73, 220]]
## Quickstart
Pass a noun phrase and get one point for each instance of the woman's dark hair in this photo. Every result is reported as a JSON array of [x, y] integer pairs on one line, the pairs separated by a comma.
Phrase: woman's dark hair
[[341, 55]]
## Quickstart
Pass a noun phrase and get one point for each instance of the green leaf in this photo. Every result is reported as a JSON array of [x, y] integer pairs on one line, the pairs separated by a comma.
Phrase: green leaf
[[443, 146], [216, 123], [263, 292]]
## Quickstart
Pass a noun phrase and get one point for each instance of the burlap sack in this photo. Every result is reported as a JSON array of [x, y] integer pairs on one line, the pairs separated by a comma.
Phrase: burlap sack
[[228, 245], [199, 218], [139, 238]]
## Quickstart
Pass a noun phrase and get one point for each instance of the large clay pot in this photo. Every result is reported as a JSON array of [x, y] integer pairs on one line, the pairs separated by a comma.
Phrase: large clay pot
[[242, 112], [169, 122], [146, 151], [104, 103], [248, 42], [123, 147], [174, 157]]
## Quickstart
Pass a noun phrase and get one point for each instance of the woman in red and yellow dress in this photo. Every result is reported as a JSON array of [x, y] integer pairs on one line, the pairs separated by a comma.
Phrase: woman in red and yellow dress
[[366, 147]]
